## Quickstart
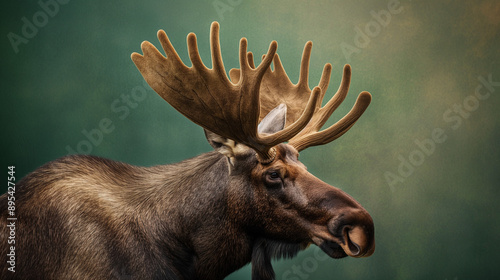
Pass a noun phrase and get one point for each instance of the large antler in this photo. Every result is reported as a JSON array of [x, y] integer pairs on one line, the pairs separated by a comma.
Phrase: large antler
[[276, 88], [208, 98]]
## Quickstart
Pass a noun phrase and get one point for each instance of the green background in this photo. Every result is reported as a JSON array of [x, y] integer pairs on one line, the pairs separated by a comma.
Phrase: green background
[[440, 220]]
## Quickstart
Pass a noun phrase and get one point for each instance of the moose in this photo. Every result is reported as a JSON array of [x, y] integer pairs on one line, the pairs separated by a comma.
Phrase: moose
[[249, 201]]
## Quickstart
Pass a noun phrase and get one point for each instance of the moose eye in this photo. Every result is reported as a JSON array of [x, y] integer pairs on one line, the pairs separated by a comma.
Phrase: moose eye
[[273, 179], [274, 175]]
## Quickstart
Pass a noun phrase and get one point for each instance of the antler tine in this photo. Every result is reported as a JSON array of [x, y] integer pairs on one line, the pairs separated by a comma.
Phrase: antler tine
[[336, 130], [194, 54], [217, 63], [278, 67], [251, 60], [168, 48], [304, 66], [322, 114], [311, 136], [339, 96], [325, 79], [234, 73]]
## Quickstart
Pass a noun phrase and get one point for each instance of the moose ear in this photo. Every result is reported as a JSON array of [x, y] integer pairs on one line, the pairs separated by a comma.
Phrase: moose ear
[[274, 121], [225, 146]]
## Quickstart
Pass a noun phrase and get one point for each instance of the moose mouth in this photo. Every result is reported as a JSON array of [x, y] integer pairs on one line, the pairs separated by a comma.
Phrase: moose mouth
[[332, 249]]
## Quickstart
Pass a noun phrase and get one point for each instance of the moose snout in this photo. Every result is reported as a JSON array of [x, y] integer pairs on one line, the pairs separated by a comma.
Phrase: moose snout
[[355, 231]]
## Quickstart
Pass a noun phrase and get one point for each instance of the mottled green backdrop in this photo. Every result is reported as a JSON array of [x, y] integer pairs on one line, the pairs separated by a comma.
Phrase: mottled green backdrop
[[423, 160]]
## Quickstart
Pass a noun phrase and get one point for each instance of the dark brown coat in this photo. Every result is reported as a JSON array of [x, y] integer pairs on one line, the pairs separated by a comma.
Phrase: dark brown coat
[[84, 217]]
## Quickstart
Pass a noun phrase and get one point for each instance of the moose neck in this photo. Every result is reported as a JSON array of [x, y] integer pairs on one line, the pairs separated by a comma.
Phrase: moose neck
[[190, 198]]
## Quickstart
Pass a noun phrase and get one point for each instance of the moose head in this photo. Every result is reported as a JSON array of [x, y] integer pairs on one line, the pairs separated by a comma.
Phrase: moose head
[[248, 118]]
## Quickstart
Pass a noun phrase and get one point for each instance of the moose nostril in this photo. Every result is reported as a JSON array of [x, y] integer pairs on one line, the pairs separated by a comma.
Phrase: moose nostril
[[356, 239], [354, 232], [353, 238], [353, 247]]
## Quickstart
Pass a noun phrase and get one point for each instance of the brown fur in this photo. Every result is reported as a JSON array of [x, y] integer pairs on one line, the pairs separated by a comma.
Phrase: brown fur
[[83, 217]]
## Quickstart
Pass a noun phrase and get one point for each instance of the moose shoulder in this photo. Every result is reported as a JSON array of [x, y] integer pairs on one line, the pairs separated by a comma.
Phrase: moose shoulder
[[249, 200]]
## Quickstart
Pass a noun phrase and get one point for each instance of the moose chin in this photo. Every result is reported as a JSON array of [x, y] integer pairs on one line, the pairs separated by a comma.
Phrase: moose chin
[[249, 201]]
